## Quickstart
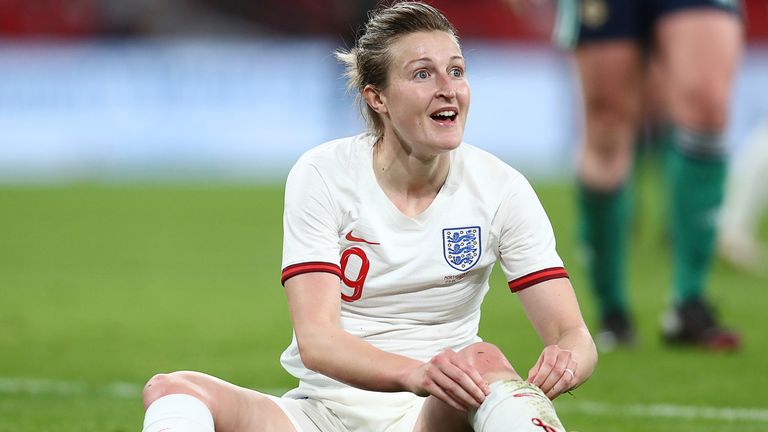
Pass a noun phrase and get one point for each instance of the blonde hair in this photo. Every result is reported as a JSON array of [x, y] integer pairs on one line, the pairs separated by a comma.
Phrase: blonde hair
[[369, 60]]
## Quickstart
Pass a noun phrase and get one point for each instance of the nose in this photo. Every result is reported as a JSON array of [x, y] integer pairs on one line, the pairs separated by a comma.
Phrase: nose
[[447, 93], [446, 88]]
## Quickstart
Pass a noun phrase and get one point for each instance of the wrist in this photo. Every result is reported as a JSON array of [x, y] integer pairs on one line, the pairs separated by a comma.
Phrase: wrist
[[407, 376]]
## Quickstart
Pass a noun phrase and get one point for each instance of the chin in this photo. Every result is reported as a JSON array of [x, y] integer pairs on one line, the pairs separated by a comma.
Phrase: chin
[[450, 143], [445, 147], [454, 144]]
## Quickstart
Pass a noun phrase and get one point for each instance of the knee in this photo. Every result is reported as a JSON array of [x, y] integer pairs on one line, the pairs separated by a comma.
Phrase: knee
[[488, 359], [172, 383], [703, 104], [606, 155], [605, 172], [612, 112]]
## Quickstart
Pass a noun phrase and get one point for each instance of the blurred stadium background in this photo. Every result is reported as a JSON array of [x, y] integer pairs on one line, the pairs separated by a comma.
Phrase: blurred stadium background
[[143, 144]]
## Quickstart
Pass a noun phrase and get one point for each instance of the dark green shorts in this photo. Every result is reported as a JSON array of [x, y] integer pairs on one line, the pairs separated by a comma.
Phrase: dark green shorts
[[580, 21]]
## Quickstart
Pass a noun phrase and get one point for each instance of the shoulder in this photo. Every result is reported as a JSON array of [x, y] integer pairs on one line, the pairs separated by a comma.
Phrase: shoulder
[[333, 152], [334, 157], [486, 169]]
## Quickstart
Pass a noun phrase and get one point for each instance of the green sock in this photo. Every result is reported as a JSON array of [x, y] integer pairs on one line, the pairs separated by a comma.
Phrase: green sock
[[604, 231], [695, 174]]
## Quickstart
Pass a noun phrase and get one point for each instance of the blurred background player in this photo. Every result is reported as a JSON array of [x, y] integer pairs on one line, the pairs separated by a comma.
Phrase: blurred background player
[[696, 46], [746, 197], [745, 203]]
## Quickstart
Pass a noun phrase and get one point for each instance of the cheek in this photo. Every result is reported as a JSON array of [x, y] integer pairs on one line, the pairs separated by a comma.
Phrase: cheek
[[465, 94], [408, 111]]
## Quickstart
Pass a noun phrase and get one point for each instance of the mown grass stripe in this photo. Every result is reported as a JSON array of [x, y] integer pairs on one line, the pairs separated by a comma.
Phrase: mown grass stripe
[[119, 389]]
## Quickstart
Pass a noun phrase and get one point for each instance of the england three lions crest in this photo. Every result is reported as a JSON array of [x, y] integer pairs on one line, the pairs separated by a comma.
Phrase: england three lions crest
[[461, 247]]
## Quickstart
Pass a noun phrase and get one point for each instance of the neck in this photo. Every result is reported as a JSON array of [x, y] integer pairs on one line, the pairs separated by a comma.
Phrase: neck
[[401, 171]]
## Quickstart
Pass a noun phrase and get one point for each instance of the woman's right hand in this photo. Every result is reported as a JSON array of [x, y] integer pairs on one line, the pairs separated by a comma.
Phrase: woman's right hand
[[450, 378]]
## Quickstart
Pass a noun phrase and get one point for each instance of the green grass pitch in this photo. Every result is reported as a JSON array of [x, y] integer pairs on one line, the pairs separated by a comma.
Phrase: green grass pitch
[[103, 285]]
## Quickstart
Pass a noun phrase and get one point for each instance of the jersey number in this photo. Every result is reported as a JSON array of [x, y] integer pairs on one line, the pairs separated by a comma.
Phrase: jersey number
[[355, 284]]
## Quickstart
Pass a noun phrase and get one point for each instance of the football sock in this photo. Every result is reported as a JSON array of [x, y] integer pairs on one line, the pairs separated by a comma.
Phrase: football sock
[[518, 406], [603, 231], [178, 413], [696, 169]]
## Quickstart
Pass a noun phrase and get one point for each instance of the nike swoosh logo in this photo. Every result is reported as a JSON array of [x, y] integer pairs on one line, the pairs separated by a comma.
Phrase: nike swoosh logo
[[352, 238]]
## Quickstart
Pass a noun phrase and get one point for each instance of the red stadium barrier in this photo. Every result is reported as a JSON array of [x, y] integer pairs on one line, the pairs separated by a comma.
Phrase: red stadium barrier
[[489, 19]]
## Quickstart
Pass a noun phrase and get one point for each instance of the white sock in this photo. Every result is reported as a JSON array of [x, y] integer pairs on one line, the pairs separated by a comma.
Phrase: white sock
[[178, 413], [518, 406]]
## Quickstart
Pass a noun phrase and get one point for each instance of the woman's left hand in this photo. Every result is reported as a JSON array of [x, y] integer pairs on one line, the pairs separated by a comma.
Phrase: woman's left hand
[[555, 371]]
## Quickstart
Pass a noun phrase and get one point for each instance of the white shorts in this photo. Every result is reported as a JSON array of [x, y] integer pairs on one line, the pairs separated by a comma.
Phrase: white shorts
[[385, 412]]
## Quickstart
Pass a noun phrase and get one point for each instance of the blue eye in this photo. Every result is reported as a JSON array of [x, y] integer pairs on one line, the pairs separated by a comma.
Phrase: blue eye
[[457, 72], [422, 74]]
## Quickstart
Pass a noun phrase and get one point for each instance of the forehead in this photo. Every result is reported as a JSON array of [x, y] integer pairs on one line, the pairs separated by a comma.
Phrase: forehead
[[436, 46]]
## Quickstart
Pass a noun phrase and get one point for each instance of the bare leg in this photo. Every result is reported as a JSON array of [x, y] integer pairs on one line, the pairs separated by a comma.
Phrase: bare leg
[[233, 408], [612, 75], [698, 52]]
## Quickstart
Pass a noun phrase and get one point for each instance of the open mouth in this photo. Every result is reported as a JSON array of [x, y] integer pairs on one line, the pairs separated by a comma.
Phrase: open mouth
[[447, 116]]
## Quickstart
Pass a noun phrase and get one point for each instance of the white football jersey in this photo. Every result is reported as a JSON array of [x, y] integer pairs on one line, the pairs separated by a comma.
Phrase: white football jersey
[[411, 286]]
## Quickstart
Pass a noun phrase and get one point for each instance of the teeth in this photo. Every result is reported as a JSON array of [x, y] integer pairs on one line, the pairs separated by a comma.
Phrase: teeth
[[446, 114]]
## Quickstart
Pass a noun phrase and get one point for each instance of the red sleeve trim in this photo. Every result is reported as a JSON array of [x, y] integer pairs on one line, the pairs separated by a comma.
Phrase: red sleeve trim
[[524, 282], [309, 267]]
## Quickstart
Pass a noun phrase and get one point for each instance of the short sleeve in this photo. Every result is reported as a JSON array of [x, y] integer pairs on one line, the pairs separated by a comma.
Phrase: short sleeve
[[310, 227], [526, 240]]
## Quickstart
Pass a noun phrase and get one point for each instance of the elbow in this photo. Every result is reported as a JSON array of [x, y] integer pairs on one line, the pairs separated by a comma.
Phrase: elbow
[[308, 358], [590, 355], [312, 350], [579, 341]]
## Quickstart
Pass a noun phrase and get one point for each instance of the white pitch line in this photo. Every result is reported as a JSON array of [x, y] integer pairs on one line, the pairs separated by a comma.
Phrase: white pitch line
[[120, 389], [46, 387], [666, 411]]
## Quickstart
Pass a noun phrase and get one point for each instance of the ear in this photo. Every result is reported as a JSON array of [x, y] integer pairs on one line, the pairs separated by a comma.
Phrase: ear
[[375, 99]]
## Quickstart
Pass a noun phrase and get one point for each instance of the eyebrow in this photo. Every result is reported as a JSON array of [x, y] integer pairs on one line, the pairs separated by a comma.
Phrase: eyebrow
[[429, 60]]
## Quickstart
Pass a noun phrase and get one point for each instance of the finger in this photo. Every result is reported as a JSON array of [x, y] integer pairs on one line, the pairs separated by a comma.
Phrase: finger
[[554, 384], [478, 379], [439, 393], [535, 369], [556, 371], [567, 381], [478, 382], [455, 392], [445, 375], [559, 388], [472, 381], [545, 365], [463, 374], [457, 384]]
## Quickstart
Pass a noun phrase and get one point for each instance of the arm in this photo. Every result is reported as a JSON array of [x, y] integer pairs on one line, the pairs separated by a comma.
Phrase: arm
[[552, 308], [315, 305], [534, 270]]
